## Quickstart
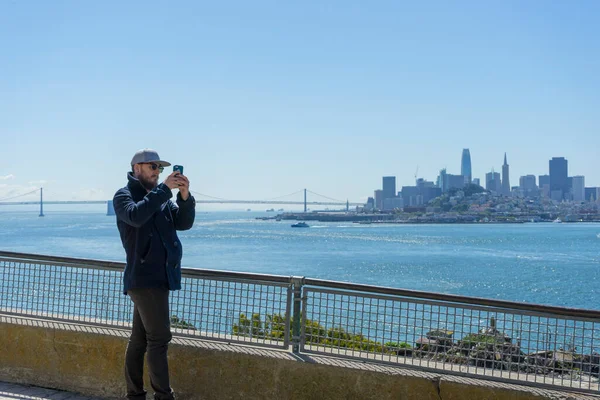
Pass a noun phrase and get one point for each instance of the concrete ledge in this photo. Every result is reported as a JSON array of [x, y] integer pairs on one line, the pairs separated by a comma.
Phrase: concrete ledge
[[89, 360]]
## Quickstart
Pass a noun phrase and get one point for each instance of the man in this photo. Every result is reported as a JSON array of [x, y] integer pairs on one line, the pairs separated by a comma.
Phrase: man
[[148, 220]]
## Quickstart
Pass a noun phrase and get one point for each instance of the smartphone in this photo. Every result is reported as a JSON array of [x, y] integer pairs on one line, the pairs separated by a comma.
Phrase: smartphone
[[178, 168]]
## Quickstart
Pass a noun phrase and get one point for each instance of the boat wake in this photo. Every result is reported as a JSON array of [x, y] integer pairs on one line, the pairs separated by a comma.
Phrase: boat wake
[[598, 236]]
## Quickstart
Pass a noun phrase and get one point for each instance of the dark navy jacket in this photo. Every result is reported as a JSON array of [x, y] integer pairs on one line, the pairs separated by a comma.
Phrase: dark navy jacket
[[148, 222]]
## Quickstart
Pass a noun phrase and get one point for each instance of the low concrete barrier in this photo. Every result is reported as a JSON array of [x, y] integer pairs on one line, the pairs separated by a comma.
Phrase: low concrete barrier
[[89, 360]]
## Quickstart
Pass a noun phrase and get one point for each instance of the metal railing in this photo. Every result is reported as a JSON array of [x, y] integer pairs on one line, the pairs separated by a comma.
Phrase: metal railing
[[215, 305], [530, 344]]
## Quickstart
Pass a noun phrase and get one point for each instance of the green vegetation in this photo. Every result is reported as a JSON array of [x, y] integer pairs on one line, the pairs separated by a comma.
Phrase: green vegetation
[[181, 323], [491, 349], [476, 339], [472, 189], [443, 202], [273, 328], [460, 207]]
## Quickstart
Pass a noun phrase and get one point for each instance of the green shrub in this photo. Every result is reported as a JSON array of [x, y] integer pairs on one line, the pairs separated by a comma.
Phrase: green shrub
[[273, 327], [253, 327], [181, 323], [476, 339]]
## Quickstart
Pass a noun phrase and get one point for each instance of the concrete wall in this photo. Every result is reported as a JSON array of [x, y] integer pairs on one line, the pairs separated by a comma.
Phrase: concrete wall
[[89, 361]]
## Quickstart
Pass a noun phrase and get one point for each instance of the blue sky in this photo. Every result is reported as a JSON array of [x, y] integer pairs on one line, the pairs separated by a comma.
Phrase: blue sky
[[260, 99]]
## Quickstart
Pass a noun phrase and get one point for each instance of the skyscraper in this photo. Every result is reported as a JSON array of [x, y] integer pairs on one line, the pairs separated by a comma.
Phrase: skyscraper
[[389, 187], [505, 178], [378, 199], [544, 182], [559, 177], [590, 194], [492, 182], [465, 166], [578, 189], [448, 181], [528, 186]]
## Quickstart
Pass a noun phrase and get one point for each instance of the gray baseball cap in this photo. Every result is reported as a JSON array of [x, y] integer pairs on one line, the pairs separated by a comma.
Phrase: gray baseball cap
[[147, 156]]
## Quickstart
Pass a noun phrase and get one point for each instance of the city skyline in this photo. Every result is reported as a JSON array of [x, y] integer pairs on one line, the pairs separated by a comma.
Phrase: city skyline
[[556, 185], [267, 99], [392, 182], [466, 155]]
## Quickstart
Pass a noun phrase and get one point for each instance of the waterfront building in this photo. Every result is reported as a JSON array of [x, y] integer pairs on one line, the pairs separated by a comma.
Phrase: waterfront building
[[411, 196], [370, 204], [420, 194], [392, 203]]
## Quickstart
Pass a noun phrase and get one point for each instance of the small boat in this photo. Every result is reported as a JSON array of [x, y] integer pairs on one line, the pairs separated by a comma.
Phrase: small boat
[[300, 225]]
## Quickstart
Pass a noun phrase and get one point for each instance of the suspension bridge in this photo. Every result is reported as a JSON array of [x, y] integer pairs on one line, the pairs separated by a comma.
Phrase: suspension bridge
[[200, 199]]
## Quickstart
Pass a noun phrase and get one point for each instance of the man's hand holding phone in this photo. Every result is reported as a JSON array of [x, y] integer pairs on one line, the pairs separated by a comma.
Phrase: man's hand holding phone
[[176, 180]]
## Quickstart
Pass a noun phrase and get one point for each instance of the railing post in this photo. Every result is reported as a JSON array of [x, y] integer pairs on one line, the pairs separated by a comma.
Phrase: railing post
[[297, 282]]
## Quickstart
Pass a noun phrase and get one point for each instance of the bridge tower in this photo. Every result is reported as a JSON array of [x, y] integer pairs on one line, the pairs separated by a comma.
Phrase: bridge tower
[[347, 205], [41, 202], [110, 208], [304, 200]]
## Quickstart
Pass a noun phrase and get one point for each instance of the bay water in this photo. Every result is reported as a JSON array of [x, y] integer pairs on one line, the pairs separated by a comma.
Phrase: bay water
[[543, 263]]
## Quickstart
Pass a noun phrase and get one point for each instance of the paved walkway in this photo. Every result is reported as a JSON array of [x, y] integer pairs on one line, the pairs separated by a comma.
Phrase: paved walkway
[[11, 391]]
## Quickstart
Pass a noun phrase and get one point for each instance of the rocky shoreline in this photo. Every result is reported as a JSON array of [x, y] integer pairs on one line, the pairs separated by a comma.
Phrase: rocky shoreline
[[493, 349]]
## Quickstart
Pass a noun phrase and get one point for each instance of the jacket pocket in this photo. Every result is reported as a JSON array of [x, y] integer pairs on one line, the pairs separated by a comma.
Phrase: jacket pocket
[[144, 251], [146, 256]]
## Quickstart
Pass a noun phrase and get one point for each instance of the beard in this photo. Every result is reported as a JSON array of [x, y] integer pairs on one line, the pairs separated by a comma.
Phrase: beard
[[148, 183]]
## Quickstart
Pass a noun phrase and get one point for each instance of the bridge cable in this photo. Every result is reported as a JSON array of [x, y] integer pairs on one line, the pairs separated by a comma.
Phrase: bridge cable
[[20, 195], [287, 195], [205, 195], [328, 198]]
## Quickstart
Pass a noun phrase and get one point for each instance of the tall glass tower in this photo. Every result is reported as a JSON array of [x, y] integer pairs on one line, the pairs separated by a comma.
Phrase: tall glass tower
[[465, 166]]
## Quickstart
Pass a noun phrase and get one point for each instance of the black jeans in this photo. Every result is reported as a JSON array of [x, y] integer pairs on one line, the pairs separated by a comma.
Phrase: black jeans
[[151, 332]]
